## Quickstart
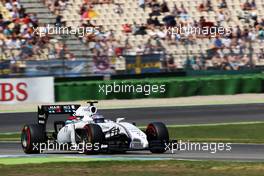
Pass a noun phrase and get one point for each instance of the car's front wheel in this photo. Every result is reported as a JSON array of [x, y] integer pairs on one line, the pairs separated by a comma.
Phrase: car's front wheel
[[94, 138], [157, 135]]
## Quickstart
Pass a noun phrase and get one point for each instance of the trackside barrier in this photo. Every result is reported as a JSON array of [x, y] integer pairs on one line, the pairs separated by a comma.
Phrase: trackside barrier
[[175, 87]]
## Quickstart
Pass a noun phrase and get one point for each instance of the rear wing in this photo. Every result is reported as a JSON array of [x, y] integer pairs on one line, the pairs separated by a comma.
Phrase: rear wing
[[45, 110]]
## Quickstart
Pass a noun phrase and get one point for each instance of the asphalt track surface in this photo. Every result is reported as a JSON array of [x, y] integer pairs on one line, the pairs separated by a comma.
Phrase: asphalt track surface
[[13, 122], [238, 152]]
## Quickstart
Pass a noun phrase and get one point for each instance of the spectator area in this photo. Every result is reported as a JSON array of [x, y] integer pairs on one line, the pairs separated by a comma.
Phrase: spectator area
[[18, 39], [246, 23], [140, 27]]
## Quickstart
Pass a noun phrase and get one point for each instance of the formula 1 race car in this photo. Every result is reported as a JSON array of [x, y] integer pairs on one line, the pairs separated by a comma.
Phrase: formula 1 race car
[[85, 127]]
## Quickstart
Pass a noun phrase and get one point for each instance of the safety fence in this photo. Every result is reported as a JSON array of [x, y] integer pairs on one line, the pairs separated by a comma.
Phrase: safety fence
[[159, 87]]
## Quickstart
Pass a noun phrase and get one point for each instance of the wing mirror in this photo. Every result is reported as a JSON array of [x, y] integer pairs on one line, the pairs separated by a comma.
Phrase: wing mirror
[[93, 109], [119, 120]]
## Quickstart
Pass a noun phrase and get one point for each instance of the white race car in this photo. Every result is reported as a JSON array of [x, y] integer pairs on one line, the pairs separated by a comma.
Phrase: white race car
[[95, 134]]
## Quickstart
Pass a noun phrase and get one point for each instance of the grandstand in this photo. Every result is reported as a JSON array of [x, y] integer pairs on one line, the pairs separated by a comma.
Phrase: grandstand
[[138, 27]]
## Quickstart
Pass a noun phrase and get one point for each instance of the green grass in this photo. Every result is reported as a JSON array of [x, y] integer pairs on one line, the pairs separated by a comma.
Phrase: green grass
[[136, 168], [9, 136], [41, 160], [235, 133]]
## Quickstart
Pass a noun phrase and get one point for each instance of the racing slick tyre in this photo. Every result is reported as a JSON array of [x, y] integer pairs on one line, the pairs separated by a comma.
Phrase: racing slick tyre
[[94, 137], [31, 137], [157, 135]]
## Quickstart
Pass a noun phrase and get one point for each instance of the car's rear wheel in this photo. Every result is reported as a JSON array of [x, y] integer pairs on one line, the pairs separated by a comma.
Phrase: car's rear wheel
[[31, 138], [94, 138], [157, 135]]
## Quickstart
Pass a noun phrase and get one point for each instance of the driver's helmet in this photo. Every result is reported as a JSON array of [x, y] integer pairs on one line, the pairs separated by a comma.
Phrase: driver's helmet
[[98, 118]]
